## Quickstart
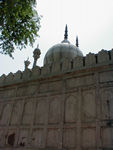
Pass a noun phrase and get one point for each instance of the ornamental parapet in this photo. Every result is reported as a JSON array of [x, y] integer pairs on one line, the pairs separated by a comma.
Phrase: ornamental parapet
[[91, 60]]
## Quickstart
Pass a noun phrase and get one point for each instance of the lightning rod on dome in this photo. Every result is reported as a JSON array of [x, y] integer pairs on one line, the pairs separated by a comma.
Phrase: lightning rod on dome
[[77, 43]]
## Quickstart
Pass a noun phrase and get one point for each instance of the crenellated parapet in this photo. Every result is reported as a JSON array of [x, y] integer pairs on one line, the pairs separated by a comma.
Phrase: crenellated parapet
[[2, 78], [17, 76], [103, 56], [78, 62], [91, 60], [111, 54]]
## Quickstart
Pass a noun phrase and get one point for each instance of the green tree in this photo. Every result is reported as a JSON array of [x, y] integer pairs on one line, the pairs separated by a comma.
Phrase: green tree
[[19, 24]]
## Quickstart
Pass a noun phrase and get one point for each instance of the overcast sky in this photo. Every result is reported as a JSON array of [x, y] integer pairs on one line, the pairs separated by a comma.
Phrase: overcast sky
[[91, 20]]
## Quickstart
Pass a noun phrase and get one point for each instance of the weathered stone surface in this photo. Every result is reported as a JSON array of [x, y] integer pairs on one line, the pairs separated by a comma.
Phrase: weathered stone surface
[[45, 70], [35, 72], [26, 74], [2, 78], [66, 66], [6, 114], [78, 62], [16, 114], [18, 76], [69, 138], [88, 106], [10, 138], [107, 136], [23, 138], [41, 111], [71, 109], [52, 138], [54, 111], [28, 111], [10, 77], [90, 59], [78, 81], [9, 93], [107, 104], [2, 138], [37, 138], [56, 68], [59, 111], [89, 138], [44, 87], [103, 56], [55, 86], [27, 90], [106, 76]]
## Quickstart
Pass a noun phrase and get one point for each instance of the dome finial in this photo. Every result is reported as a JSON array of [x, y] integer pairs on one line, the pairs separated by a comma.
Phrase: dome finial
[[66, 33], [77, 43], [66, 36]]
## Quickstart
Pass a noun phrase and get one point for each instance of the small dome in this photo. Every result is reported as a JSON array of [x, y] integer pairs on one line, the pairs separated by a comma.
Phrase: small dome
[[60, 52]]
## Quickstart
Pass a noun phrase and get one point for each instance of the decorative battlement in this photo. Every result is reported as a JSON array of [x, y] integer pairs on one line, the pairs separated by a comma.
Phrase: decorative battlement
[[91, 60]]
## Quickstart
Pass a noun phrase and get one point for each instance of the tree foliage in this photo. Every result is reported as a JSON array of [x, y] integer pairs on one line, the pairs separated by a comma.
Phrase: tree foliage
[[19, 24]]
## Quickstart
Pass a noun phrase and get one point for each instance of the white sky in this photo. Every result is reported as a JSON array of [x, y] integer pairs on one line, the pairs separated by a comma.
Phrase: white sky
[[91, 20]]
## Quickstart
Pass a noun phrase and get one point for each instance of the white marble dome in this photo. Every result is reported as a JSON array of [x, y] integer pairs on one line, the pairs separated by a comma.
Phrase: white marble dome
[[62, 51]]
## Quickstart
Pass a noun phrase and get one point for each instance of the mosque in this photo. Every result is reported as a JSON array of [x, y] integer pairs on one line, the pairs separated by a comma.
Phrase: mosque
[[65, 105]]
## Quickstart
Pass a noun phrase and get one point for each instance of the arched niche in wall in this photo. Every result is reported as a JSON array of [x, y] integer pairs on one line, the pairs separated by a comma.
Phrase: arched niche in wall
[[1, 108], [6, 113], [54, 110], [88, 105], [2, 137], [88, 138], [11, 139], [107, 104], [69, 138], [53, 138], [27, 114], [71, 109], [23, 138], [107, 136], [17, 110], [111, 104], [41, 111], [37, 139]]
